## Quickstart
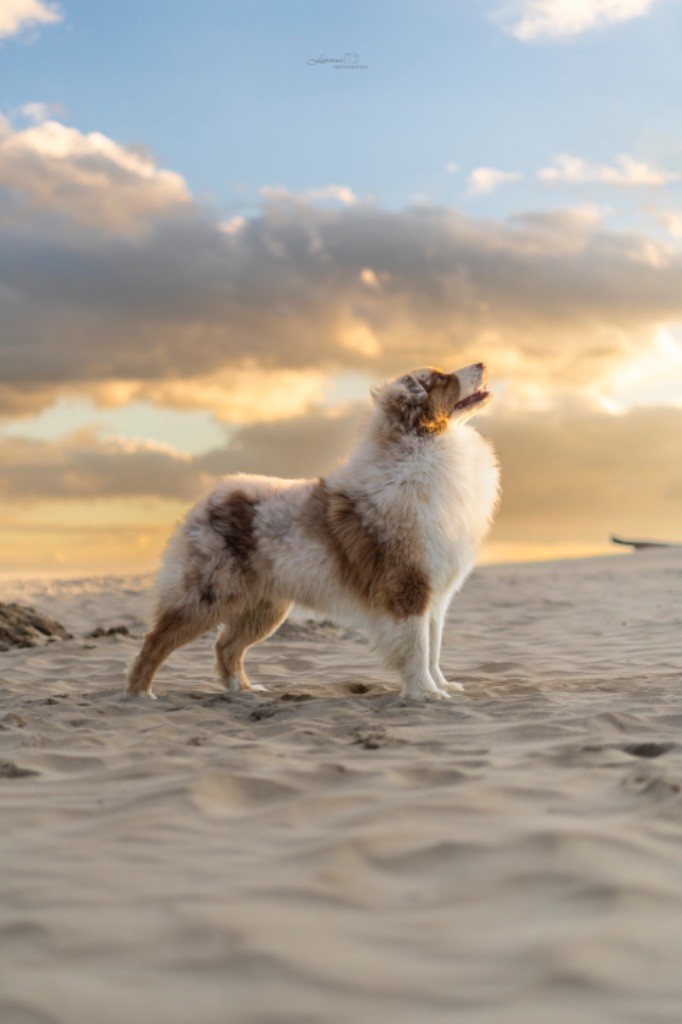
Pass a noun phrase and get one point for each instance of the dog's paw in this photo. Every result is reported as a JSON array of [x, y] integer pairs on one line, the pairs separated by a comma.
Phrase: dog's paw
[[453, 687], [444, 684], [131, 695], [258, 688], [423, 694]]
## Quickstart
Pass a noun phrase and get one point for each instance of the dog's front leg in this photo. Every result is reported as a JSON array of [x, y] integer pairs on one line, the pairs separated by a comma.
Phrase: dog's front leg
[[405, 646], [436, 622]]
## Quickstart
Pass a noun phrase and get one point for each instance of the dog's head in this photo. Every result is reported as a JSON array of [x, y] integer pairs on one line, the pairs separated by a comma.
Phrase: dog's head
[[428, 401]]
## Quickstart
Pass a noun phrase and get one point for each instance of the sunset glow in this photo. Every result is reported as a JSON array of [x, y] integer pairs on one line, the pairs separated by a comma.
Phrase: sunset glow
[[179, 302]]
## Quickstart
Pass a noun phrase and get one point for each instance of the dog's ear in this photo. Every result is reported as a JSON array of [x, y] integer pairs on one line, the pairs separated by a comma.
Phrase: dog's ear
[[405, 392]]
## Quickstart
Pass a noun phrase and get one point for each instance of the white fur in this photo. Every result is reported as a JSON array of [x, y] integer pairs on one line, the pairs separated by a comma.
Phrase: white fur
[[434, 496]]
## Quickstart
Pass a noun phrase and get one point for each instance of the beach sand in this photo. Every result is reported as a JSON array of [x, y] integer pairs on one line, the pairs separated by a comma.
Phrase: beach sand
[[322, 853]]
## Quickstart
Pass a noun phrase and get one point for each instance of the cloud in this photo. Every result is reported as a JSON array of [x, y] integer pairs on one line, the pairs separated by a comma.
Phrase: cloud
[[38, 112], [85, 466], [336, 193], [626, 173], [18, 15], [568, 472], [452, 168], [670, 220], [369, 278], [529, 20], [303, 446], [486, 179], [115, 283], [241, 394], [573, 472], [88, 178]]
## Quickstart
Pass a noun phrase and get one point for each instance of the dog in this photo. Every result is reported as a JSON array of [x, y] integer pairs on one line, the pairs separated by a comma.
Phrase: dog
[[382, 543]]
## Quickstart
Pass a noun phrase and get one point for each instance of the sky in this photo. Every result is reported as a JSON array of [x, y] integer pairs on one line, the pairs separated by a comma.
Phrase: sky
[[221, 223]]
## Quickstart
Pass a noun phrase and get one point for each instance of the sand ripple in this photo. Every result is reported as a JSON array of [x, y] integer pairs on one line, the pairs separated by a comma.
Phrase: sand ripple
[[322, 853]]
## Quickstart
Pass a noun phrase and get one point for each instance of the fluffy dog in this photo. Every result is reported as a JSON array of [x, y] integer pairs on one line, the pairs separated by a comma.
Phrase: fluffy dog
[[382, 543]]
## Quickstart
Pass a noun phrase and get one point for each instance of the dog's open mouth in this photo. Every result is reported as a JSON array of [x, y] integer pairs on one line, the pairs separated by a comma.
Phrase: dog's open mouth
[[478, 396]]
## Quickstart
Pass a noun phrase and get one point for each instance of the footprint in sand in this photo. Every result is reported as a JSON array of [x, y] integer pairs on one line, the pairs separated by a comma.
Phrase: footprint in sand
[[648, 750], [219, 793]]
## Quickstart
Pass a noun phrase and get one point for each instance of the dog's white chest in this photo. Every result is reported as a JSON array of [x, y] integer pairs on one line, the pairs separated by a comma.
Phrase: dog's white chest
[[462, 497]]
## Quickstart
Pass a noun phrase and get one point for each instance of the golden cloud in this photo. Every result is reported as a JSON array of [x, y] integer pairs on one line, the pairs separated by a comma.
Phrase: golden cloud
[[88, 178], [116, 284], [568, 470], [18, 15]]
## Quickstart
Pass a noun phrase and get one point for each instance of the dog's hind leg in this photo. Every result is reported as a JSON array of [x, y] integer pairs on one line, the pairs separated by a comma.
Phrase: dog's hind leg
[[247, 627], [172, 629]]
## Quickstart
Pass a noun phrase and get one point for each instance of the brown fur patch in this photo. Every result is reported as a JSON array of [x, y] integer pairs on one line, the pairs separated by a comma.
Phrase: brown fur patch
[[432, 416], [172, 629], [246, 627], [377, 571], [234, 521], [444, 391]]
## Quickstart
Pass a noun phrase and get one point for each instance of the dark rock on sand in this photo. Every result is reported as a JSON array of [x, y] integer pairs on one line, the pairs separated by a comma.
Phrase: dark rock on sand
[[21, 626], [112, 631], [10, 770]]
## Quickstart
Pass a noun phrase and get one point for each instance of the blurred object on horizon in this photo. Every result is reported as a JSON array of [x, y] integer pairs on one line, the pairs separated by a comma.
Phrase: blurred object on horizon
[[641, 545]]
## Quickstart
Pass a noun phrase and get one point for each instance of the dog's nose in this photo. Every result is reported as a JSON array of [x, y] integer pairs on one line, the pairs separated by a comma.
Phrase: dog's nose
[[481, 367]]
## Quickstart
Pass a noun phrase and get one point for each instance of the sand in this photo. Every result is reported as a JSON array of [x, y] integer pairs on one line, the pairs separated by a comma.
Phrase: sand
[[322, 853]]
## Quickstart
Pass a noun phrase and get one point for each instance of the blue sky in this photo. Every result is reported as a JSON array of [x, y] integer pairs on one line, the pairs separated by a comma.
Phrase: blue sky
[[223, 94], [210, 248]]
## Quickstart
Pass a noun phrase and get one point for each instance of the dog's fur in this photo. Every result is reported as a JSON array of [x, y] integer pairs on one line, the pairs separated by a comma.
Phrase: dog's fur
[[382, 543]]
